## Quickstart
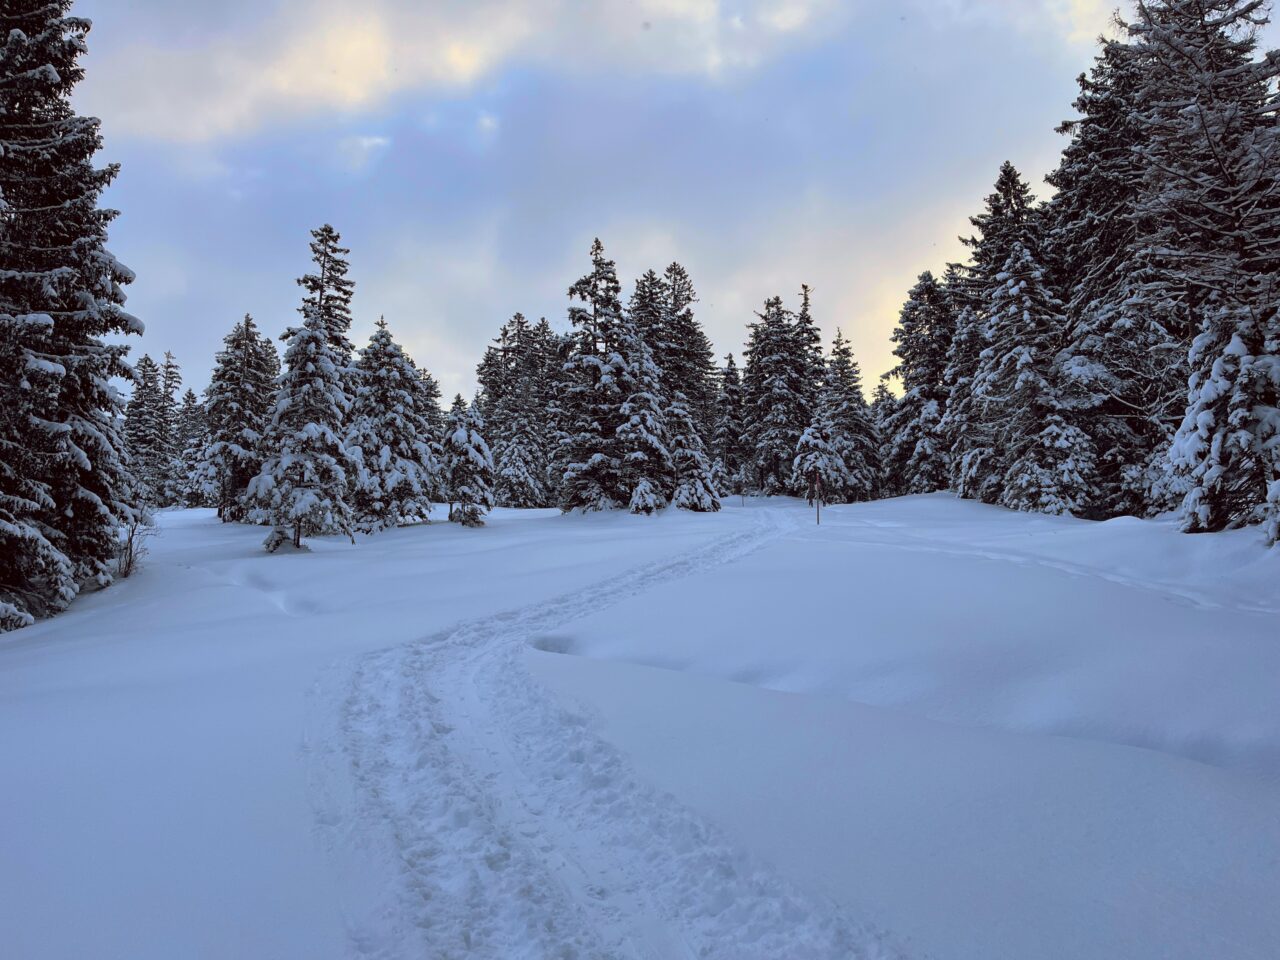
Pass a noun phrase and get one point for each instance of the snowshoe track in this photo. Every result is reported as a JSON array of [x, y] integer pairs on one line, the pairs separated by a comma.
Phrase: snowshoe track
[[522, 834]]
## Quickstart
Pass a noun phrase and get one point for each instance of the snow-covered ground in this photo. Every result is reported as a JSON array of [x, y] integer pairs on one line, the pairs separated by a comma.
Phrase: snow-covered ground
[[926, 728]]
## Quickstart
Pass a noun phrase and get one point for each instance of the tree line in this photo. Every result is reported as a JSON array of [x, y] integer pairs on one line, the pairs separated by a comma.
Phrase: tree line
[[1116, 349], [627, 409]]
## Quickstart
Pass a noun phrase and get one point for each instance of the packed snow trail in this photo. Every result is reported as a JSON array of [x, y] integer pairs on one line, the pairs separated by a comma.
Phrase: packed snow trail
[[519, 831]]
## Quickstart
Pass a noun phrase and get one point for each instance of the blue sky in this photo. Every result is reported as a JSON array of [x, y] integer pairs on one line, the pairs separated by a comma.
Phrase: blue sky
[[469, 151]]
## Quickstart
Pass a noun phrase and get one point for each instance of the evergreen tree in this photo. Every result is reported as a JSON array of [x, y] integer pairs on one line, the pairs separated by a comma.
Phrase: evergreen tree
[[192, 435], [303, 486], [239, 405], [514, 401], [917, 450], [36, 578], [684, 353], [170, 483], [590, 404], [328, 294], [401, 474], [1040, 462], [522, 453], [551, 368], [642, 436], [429, 403], [850, 427], [469, 466], [732, 455], [1009, 218], [144, 430], [778, 379], [64, 485], [817, 463], [1124, 361], [1211, 211], [883, 406], [811, 367]]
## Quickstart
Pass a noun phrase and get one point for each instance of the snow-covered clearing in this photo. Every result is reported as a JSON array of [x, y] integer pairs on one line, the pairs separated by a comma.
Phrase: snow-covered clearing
[[924, 728]]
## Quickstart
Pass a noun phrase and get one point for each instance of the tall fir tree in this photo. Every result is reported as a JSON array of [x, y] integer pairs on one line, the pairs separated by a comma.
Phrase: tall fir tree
[[684, 354], [883, 406], [818, 466], [1123, 364], [732, 456], [328, 294], [916, 448], [642, 437], [851, 429], [239, 405], [1211, 208], [1040, 460], [1009, 218], [468, 465], [170, 487], [401, 473], [590, 404], [304, 484], [64, 482], [778, 385], [192, 435], [144, 430]]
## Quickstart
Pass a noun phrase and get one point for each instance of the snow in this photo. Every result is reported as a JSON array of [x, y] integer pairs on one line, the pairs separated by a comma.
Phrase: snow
[[926, 727]]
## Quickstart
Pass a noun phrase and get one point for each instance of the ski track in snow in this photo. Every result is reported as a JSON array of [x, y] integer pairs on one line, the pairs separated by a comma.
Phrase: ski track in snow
[[520, 833], [1176, 593]]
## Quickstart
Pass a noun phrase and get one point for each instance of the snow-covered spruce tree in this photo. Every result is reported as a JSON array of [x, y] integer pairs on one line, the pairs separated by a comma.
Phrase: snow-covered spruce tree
[[522, 462], [852, 431], [684, 354], [401, 474], [192, 434], [775, 387], [808, 353], [514, 400], [496, 373], [916, 454], [817, 464], [1123, 363], [673, 353], [1040, 460], [732, 456], [647, 473], [1211, 206], [144, 430], [468, 466], [239, 405], [36, 579], [521, 473], [170, 486], [329, 292], [429, 402], [1009, 218], [688, 378], [883, 406], [69, 491], [589, 407], [304, 483]]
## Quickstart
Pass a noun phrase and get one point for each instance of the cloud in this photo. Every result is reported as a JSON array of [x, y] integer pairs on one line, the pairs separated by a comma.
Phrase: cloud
[[356, 153], [1075, 22], [313, 57]]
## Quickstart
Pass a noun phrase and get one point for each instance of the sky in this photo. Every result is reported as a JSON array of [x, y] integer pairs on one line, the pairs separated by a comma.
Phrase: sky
[[469, 150]]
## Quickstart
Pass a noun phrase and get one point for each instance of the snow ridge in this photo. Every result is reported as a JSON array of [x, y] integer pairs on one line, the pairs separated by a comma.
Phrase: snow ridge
[[521, 833]]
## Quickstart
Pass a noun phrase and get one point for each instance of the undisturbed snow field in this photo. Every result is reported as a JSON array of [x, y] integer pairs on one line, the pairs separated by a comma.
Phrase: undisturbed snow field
[[925, 728]]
